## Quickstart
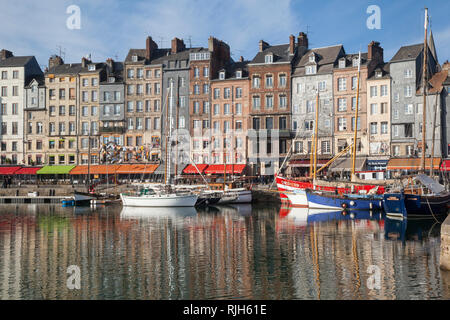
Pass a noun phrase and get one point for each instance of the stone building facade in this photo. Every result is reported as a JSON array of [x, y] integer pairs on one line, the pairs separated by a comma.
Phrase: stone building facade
[[14, 76]]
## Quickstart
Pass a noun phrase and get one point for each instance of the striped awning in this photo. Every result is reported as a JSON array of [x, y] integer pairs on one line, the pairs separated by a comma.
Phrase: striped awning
[[219, 168], [412, 163], [191, 169], [28, 170], [137, 168], [95, 169], [8, 170]]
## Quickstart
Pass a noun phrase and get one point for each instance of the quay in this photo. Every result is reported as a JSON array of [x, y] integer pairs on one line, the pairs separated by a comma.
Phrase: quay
[[26, 199], [445, 245]]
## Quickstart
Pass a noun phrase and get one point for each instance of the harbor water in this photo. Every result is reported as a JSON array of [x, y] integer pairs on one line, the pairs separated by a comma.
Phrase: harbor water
[[222, 252]]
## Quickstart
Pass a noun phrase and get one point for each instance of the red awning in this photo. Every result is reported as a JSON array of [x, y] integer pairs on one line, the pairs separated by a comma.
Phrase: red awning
[[8, 170], [190, 169], [218, 168], [445, 166], [28, 170]]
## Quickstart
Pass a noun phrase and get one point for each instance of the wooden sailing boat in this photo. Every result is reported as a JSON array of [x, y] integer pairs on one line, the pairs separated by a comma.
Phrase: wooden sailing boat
[[166, 197]]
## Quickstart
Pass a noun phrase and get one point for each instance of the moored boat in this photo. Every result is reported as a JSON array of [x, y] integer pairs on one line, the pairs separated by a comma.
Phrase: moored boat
[[327, 200], [159, 200]]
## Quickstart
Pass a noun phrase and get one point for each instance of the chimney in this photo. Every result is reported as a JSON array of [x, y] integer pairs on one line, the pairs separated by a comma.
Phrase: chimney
[[110, 63], [241, 59], [177, 45], [291, 44], [302, 40], [375, 52], [84, 62], [263, 45], [150, 46], [5, 54], [55, 61]]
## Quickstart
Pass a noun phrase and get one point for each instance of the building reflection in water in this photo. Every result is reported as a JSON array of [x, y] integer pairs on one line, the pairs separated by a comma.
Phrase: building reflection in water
[[216, 253]]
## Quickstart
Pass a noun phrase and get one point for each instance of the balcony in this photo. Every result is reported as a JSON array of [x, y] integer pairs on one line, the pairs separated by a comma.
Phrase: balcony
[[112, 130]]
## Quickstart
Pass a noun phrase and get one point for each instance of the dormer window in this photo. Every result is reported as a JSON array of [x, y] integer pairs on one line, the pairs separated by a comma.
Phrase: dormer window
[[312, 58], [91, 67], [111, 79], [310, 69], [378, 74], [342, 63], [239, 74], [222, 75], [134, 58], [355, 62], [269, 58]]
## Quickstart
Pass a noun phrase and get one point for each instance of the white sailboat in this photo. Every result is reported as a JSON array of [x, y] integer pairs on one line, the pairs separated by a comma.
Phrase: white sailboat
[[166, 197]]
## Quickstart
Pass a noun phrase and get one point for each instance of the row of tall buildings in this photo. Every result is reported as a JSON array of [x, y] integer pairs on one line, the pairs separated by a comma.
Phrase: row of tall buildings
[[229, 109]]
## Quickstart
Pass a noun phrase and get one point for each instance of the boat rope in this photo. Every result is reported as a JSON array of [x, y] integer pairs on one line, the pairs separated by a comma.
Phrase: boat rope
[[431, 210]]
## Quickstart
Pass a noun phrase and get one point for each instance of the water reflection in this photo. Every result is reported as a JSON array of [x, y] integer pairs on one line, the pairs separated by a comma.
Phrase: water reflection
[[222, 252]]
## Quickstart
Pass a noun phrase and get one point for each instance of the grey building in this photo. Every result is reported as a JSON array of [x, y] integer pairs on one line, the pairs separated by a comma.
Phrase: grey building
[[112, 104], [314, 70], [407, 103], [35, 124]]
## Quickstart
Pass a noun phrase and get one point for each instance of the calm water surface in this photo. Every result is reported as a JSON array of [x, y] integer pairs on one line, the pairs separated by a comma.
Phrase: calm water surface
[[229, 252]]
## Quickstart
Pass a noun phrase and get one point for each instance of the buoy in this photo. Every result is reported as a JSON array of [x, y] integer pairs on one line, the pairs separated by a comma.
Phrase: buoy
[[344, 205], [352, 203]]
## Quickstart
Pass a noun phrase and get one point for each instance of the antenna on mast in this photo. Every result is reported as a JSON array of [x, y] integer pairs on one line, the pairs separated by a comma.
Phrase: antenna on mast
[[61, 52]]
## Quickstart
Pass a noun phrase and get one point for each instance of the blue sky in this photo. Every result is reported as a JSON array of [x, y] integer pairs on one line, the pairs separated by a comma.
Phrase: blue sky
[[110, 28]]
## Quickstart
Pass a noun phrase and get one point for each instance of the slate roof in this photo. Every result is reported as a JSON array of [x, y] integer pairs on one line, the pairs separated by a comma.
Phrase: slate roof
[[325, 58], [39, 78], [384, 68], [74, 68], [408, 52], [349, 59], [231, 68], [15, 61], [438, 81], [280, 54], [117, 73]]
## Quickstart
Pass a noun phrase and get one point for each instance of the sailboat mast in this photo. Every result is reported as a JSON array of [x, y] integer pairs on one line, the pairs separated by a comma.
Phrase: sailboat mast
[[355, 138], [168, 149], [89, 159], [316, 130], [424, 84]]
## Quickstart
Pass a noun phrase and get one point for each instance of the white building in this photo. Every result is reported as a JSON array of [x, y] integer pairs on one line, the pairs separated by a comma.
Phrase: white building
[[14, 72]]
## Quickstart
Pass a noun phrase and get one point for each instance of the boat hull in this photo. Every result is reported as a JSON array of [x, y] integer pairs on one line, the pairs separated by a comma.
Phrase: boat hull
[[159, 201], [319, 200], [426, 205], [394, 204], [298, 198], [237, 196]]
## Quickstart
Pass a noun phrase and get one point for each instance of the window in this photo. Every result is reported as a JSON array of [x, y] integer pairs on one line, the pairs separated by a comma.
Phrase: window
[[139, 124], [310, 106], [130, 124], [355, 62], [62, 110], [256, 102], [256, 123], [216, 109], [269, 81], [269, 101], [85, 111], [326, 146], [140, 73], [322, 85], [373, 127], [396, 130], [39, 128], [15, 91], [130, 107], [94, 82], [354, 103], [342, 84], [238, 108], [384, 90], [282, 80], [408, 73], [205, 71], [383, 108], [396, 114], [226, 108], [342, 124], [269, 123], [282, 123], [408, 130], [409, 109], [205, 107], [222, 75], [358, 124], [238, 74], [196, 89], [238, 92], [283, 101], [354, 83], [298, 147], [196, 107], [4, 109], [373, 108], [226, 93], [268, 58], [373, 91], [62, 128], [182, 101], [156, 123], [205, 88], [15, 127], [182, 122], [51, 127], [310, 69], [309, 125], [408, 91], [342, 104], [197, 124], [15, 109], [196, 72], [256, 82], [238, 125], [341, 63], [4, 75], [130, 72], [384, 128], [216, 93], [139, 106]]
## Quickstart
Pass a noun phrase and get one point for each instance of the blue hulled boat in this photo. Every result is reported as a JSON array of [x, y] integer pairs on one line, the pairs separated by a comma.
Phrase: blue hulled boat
[[331, 201], [427, 198]]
